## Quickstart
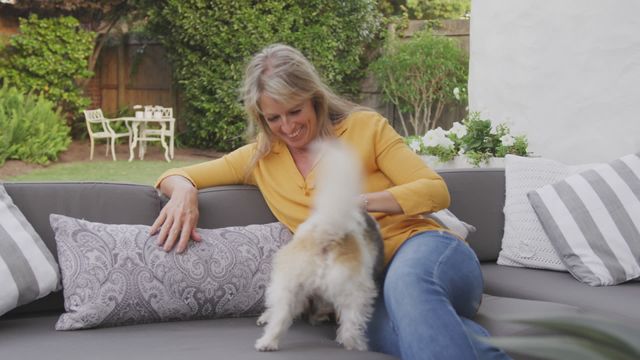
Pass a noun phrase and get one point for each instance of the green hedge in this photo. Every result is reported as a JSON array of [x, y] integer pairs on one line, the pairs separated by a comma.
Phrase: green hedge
[[47, 57], [30, 130], [210, 42]]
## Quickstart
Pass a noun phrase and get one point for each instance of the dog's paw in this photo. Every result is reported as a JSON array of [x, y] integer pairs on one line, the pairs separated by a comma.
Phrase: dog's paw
[[263, 344], [353, 343], [262, 320]]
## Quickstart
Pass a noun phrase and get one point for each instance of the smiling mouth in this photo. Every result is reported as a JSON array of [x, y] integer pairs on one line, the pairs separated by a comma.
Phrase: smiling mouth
[[295, 134]]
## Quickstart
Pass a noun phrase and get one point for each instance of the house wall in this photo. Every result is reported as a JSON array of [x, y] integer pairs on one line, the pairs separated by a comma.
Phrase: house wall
[[565, 73]]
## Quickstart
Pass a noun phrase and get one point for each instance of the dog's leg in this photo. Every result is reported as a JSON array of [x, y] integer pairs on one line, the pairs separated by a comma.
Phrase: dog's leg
[[264, 318], [354, 310], [286, 305]]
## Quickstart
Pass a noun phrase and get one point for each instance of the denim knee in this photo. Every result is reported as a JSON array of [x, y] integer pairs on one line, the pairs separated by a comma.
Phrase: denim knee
[[439, 264]]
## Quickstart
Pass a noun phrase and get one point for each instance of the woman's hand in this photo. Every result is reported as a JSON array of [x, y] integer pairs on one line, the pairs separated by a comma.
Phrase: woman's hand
[[178, 219]]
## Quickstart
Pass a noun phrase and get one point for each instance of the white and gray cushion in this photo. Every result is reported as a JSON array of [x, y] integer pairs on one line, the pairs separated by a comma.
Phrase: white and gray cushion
[[117, 275], [28, 270], [593, 221], [525, 243]]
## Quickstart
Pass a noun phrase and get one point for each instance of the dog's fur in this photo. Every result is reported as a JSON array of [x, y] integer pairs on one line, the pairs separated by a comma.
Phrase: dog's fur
[[334, 257]]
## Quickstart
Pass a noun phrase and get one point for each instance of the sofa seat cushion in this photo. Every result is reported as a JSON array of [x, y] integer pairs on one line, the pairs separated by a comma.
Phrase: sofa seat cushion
[[561, 287], [35, 338]]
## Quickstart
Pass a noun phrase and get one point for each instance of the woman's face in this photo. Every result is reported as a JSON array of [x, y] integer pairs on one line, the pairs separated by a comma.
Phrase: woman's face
[[295, 124]]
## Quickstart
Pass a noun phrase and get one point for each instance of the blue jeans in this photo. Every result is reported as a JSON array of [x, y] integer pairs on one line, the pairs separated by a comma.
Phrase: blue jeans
[[431, 291]]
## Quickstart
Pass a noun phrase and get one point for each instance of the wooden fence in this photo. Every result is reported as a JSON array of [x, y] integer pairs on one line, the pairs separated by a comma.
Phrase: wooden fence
[[132, 72]]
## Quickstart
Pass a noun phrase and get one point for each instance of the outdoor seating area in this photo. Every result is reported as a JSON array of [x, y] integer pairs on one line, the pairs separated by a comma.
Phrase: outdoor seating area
[[154, 123], [523, 112]]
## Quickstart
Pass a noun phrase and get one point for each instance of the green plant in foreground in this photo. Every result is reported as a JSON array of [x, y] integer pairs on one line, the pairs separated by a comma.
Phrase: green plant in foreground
[[575, 338], [30, 130]]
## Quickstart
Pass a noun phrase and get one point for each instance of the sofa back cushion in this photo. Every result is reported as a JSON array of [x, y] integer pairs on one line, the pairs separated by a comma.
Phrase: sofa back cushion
[[477, 197], [233, 205], [109, 203]]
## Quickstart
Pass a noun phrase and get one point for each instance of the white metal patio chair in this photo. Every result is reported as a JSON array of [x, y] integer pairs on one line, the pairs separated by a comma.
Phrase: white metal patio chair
[[106, 131], [161, 129]]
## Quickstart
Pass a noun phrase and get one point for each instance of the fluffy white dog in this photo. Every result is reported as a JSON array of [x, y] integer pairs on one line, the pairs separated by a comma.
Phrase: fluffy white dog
[[334, 256]]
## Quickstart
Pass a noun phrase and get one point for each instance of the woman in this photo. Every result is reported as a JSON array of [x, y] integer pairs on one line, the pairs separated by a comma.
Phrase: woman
[[433, 283]]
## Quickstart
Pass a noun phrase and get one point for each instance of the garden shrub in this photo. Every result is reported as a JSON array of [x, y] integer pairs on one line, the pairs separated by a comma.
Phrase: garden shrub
[[210, 42], [30, 129], [420, 76], [47, 57]]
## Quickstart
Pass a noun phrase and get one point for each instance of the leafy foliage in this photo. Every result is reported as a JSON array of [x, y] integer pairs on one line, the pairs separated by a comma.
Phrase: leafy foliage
[[427, 9], [438, 9], [210, 42], [419, 76], [30, 130], [104, 18], [47, 57], [575, 338]]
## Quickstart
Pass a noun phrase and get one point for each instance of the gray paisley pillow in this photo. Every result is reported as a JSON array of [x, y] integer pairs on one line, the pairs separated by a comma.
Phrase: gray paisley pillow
[[117, 275]]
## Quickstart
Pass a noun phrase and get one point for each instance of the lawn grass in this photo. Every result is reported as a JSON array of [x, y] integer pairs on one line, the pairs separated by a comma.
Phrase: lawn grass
[[138, 172]]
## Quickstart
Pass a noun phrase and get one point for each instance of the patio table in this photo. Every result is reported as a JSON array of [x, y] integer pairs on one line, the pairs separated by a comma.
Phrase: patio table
[[138, 124]]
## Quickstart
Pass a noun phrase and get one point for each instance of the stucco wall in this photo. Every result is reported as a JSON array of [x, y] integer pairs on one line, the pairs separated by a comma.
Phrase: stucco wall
[[565, 73]]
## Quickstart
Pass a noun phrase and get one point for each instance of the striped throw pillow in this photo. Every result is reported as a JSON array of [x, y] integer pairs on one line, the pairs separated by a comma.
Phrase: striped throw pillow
[[28, 270], [593, 221]]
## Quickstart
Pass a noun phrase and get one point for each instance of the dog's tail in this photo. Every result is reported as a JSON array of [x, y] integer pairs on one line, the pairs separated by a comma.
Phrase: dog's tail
[[338, 185]]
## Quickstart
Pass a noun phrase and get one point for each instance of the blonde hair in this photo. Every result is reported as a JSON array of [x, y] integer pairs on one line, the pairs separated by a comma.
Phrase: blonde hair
[[284, 74]]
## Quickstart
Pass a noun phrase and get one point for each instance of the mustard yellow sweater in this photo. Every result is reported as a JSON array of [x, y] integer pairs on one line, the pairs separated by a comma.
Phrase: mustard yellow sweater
[[389, 165]]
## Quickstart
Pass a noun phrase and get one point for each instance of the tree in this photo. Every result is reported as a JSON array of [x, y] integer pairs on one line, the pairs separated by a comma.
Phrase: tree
[[419, 76]]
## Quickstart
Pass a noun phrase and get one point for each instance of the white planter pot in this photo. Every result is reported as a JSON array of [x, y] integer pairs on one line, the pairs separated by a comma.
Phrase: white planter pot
[[461, 162]]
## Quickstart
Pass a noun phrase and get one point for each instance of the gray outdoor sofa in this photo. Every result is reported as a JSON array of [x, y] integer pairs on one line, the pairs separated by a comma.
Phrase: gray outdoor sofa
[[477, 198]]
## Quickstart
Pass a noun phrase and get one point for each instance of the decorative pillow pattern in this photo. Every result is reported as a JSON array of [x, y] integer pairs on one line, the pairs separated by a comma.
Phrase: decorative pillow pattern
[[448, 220], [117, 275], [525, 243], [593, 220], [28, 270]]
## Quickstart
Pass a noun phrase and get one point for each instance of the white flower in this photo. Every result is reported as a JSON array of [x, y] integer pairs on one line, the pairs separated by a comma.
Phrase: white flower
[[507, 140], [446, 142], [456, 93], [461, 152], [415, 145], [494, 129], [458, 130], [437, 137]]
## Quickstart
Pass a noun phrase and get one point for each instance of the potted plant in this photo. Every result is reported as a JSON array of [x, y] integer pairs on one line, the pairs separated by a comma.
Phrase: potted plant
[[473, 142]]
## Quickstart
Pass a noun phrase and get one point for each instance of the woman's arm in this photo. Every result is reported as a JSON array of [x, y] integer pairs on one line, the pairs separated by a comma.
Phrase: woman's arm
[[178, 219], [416, 188], [381, 201]]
